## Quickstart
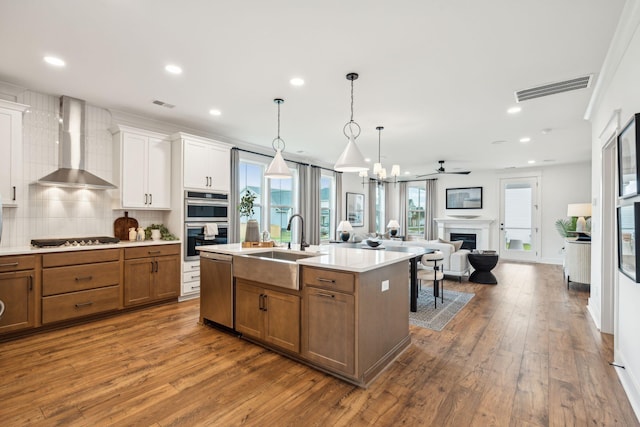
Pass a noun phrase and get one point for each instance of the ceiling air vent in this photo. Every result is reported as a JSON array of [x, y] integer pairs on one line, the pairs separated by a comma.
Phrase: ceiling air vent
[[553, 88], [163, 104]]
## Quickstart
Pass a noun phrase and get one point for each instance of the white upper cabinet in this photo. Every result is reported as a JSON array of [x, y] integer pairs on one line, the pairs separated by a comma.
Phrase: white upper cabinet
[[143, 161], [11, 151], [206, 164]]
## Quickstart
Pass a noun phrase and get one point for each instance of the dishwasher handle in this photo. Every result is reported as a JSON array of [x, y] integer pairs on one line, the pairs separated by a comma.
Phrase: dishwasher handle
[[216, 257]]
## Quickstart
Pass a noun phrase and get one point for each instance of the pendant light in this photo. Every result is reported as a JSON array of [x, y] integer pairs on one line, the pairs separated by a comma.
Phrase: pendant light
[[278, 169], [351, 159], [380, 171]]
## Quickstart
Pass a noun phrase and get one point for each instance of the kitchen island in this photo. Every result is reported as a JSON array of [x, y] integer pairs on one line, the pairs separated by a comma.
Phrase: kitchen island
[[344, 311]]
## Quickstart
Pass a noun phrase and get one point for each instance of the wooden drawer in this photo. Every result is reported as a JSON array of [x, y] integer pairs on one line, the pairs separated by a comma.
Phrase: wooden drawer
[[328, 279], [78, 304], [18, 262], [81, 277], [80, 257], [151, 250]]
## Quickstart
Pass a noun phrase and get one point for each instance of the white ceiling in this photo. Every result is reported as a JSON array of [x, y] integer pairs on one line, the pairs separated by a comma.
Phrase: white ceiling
[[439, 75]]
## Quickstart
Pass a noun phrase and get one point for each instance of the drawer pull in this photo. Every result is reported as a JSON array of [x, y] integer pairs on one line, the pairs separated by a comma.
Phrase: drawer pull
[[195, 267], [9, 264], [154, 252], [320, 279], [195, 277], [2, 307], [320, 294], [195, 288], [84, 304], [84, 278]]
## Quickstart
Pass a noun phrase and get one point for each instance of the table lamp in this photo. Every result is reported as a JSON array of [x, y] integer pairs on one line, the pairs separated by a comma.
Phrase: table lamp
[[580, 210], [343, 229], [393, 227]]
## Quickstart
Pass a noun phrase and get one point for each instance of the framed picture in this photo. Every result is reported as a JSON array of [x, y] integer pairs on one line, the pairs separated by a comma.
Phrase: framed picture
[[628, 174], [355, 209], [628, 245], [464, 198]]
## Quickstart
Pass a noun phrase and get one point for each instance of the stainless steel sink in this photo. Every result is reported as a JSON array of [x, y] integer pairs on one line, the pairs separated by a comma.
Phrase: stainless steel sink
[[276, 268]]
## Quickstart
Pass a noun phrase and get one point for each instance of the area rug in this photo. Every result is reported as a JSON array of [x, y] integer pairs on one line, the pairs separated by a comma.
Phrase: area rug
[[437, 318]]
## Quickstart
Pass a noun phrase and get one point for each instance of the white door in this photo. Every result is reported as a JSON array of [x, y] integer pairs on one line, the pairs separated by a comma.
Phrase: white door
[[519, 219], [159, 169], [134, 171], [196, 165]]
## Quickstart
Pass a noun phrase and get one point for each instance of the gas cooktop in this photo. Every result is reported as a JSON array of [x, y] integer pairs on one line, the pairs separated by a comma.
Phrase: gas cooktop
[[75, 241]]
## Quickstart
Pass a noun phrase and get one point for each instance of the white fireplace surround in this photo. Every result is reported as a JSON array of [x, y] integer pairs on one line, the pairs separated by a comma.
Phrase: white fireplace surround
[[479, 226]]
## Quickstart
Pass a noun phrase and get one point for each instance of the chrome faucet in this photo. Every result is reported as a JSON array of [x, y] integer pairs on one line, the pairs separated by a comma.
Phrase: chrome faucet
[[303, 244]]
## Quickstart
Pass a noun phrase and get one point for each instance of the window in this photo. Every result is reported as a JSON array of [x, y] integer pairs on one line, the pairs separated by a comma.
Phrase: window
[[276, 199], [416, 207], [327, 207], [281, 207]]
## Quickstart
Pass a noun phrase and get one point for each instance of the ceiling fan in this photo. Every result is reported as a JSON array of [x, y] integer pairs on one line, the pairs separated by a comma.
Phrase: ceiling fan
[[441, 170]]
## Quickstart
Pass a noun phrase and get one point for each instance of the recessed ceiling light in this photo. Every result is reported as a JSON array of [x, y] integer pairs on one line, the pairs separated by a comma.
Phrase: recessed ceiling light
[[531, 162], [296, 81], [407, 173], [525, 139], [514, 110], [173, 69], [52, 60], [215, 112], [367, 159]]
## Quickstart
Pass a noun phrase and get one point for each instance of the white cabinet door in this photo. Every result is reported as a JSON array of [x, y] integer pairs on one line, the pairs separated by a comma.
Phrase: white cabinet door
[[196, 159], [220, 169], [159, 174], [134, 171], [10, 151]]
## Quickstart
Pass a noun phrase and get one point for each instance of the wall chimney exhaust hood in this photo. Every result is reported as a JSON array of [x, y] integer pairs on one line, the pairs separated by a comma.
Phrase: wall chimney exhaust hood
[[71, 148]]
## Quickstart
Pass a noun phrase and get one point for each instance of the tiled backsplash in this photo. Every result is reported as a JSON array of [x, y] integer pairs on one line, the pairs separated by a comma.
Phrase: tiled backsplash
[[45, 212]]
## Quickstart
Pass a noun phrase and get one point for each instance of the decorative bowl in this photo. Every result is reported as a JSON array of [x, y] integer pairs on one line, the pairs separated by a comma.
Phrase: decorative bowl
[[373, 243]]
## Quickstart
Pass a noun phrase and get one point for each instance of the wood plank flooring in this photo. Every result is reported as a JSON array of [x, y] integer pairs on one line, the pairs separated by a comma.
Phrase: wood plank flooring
[[522, 353]]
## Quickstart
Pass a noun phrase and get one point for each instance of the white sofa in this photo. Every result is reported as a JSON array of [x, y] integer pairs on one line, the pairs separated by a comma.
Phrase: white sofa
[[455, 263]]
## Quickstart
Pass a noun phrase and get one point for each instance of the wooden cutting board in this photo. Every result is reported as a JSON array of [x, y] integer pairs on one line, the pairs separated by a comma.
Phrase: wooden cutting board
[[122, 225]]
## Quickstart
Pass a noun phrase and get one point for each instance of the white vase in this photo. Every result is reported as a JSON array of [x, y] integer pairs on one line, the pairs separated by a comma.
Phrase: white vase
[[252, 234], [155, 234]]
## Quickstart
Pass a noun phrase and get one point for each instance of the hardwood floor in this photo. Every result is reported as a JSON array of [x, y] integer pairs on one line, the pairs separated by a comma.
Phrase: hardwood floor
[[522, 353]]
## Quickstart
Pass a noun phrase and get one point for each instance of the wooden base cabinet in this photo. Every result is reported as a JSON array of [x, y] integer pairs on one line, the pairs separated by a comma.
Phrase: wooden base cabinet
[[268, 315], [17, 296], [151, 273]]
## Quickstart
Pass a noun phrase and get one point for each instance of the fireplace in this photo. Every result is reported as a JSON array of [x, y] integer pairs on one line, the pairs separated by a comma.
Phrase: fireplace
[[469, 239]]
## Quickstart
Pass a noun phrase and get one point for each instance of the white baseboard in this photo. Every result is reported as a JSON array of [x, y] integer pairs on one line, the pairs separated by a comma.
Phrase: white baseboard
[[554, 261], [630, 384], [594, 311]]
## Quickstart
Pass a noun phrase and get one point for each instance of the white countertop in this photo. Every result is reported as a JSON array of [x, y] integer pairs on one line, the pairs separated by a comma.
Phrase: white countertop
[[330, 256], [28, 250]]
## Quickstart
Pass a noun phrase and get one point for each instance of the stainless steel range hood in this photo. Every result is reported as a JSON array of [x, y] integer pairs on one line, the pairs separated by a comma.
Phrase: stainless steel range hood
[[71, 143]]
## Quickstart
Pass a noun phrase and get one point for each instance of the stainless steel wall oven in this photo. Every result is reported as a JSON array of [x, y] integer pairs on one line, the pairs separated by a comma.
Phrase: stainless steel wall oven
[[206, 207], [194, 236]]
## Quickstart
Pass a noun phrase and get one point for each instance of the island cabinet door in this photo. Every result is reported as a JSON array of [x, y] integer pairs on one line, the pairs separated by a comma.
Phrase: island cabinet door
[[282, 320], [167, 277], [328, 329], [249, 302]]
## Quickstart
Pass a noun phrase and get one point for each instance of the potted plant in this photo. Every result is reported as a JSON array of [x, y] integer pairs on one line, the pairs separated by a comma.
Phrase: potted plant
[[246, 210]]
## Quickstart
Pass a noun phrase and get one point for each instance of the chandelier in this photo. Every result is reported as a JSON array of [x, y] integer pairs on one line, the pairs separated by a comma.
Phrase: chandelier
[[378, 170]]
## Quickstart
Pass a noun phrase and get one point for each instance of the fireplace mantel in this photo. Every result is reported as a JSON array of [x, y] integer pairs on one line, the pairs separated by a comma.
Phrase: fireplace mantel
[[479, 226]]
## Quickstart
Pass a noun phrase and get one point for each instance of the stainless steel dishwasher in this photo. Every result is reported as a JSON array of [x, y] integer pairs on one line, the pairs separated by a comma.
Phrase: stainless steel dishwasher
[[216, 288]]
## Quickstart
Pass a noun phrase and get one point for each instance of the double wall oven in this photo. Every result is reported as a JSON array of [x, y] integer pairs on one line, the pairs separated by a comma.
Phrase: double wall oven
[[201, 208]]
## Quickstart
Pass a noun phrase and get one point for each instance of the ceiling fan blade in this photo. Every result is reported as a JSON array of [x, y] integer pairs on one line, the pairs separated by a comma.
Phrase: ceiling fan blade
[[460, 173], [428, 174]]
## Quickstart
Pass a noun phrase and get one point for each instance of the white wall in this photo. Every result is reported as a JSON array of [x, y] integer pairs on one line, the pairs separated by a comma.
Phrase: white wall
[[620, 91]]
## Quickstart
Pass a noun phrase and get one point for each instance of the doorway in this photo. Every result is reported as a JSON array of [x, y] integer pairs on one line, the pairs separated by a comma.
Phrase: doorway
[[519, 219]]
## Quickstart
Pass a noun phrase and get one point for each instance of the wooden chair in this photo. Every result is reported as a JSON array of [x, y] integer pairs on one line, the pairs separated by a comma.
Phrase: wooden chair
[[433, 272]]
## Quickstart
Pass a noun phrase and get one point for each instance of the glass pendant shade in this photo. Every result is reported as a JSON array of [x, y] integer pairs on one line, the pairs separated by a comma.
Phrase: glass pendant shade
[[351, 159], [278, 168], [377, 167], [395, 170]]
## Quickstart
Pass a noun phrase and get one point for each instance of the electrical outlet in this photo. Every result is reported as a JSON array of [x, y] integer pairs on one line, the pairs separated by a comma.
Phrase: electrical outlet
[[385, 285]]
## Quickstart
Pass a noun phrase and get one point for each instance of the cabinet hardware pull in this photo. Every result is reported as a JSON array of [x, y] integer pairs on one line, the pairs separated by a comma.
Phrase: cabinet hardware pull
[[150, 199], [195, 266], [156, 266], [153, 267], [30, 283], [154, 252], [260, 302], [320, 279], [9, 264], [195, 287], [14, 193], [266, 303], [146, 198], [2, 307], [84, 278], [195, 277], [320, 294], [84, 304]]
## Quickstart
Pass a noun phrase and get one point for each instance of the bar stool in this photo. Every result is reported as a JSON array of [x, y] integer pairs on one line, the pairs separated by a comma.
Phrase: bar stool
[[433, 260]]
